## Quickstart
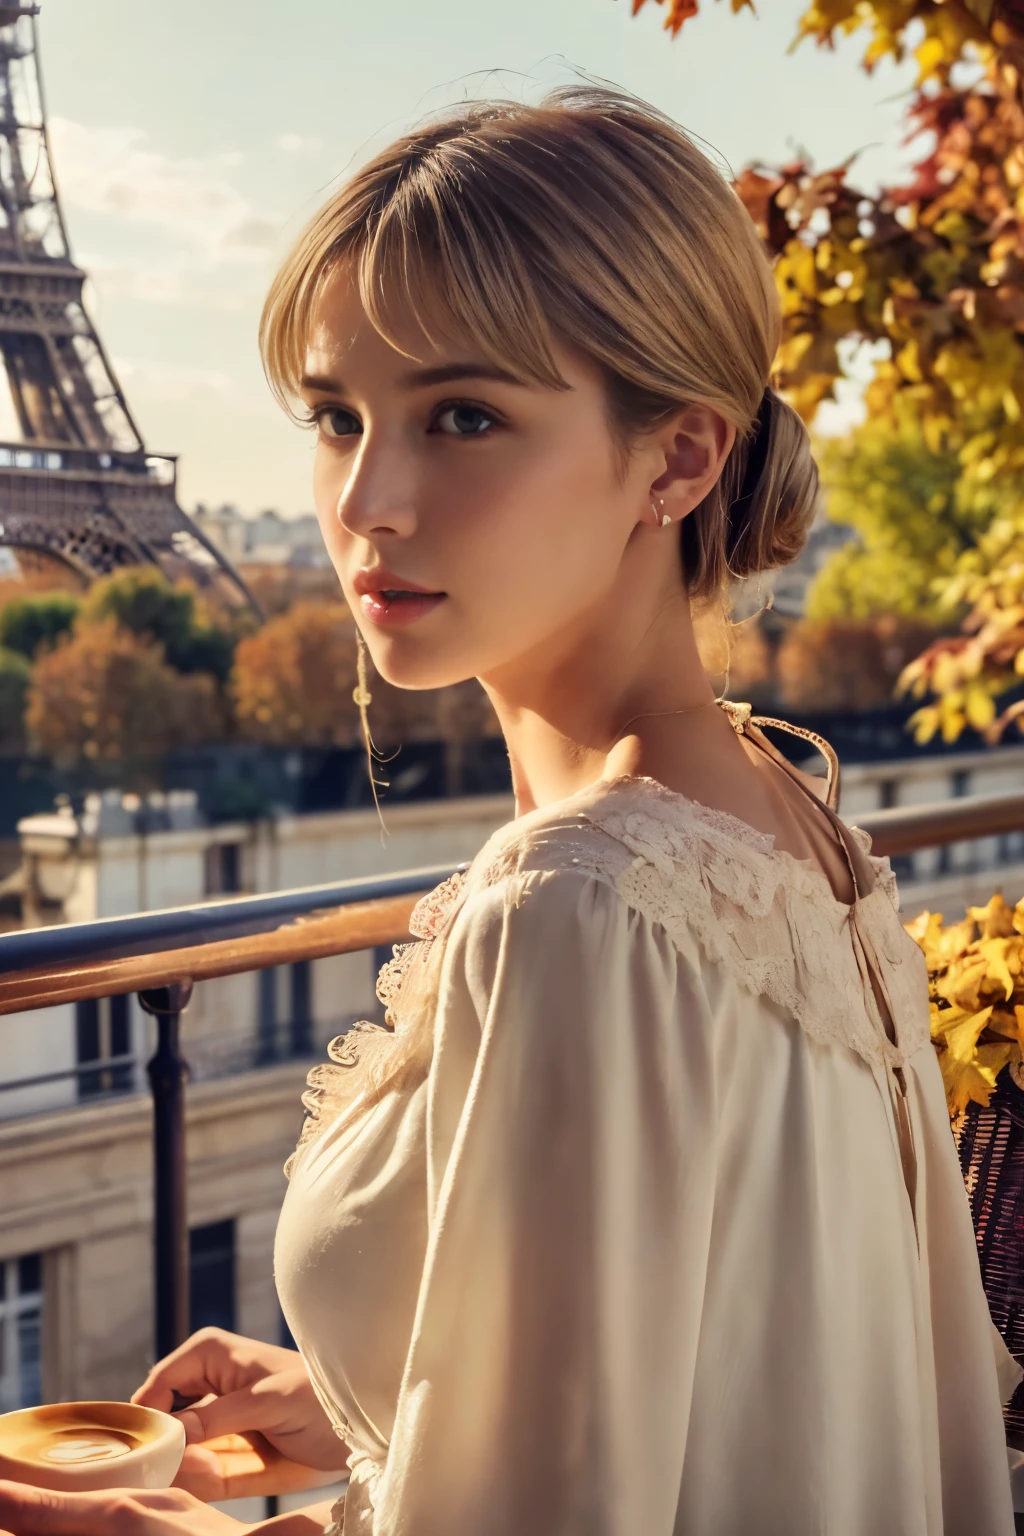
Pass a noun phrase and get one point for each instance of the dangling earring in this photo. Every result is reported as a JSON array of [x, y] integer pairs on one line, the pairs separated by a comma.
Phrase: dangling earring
[[362, 698], [662, 522]]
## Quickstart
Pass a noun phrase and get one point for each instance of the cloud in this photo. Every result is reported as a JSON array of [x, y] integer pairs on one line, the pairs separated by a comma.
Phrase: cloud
[[193, 201], [300, 144]]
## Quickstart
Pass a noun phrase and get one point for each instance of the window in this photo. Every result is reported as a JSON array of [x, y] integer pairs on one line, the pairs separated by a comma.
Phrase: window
[[103, 1035], [266, 1015], [222, 869], [211, 1276], [301, 1008], [21, 1332], [959, 785], [284, 1012]]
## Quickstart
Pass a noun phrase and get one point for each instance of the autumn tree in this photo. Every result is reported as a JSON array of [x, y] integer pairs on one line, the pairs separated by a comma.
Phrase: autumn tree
[[293, 679], [143, 601], [277, 588], [35, 619], [913, 517], [293, 685], [933, 271], [105, 697], [846, 663]]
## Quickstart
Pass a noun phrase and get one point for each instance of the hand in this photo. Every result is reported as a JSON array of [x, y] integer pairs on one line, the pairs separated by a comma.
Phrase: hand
[[257, 1426], [28, 1511]]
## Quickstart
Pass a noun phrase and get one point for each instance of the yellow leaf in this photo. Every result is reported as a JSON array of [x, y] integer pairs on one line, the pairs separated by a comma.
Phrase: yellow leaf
[[945, 1018], [979, 707], [999, 953], [930, 55], [995, 918], [963, 982], [924, 723], [956, 939], [962, 1039], [926, 930], [973, 1081]]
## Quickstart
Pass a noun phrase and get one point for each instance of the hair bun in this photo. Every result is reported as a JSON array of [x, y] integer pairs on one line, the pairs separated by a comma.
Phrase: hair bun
[[769, 520]]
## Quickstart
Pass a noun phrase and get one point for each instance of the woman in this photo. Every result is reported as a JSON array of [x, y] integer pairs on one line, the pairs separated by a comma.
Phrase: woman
[[645, 1219]]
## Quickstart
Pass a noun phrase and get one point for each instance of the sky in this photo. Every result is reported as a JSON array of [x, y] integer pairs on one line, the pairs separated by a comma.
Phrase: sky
[[192, 139]]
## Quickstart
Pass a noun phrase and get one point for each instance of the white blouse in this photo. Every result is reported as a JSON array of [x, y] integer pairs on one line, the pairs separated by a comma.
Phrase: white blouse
[[654, 1242]]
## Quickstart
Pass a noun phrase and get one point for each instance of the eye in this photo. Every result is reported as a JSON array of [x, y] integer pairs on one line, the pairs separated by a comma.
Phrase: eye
[[333, 422], [464, 420]]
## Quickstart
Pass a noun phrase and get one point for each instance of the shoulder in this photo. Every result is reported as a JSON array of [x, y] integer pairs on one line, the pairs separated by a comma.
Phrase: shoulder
[[583, 872]]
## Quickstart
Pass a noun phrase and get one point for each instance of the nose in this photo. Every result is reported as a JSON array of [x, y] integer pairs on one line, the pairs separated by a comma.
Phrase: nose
[[378, 493]]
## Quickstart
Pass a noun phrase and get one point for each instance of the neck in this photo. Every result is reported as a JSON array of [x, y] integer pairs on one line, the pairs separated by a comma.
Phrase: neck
[[563, 707]]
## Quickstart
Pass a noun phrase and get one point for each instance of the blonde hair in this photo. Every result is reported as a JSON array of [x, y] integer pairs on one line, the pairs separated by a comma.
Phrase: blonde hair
[[594, 219]]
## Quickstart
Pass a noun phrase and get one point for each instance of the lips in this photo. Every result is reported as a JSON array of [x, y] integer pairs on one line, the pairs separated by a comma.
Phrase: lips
[[381, 580], [389, 612]]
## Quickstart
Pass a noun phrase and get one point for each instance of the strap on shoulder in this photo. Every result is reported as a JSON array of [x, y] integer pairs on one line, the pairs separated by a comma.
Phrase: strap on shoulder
[[742, 715]]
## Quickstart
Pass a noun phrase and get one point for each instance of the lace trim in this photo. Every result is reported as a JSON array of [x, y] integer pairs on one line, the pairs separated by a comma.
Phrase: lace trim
[[769, 919], [761, 914], [330, 1087]]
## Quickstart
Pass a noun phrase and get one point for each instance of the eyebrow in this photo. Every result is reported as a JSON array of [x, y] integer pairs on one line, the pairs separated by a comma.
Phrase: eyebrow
[[421, 378]]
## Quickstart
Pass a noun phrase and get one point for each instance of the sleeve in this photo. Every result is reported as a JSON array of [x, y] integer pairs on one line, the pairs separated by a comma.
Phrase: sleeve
[[571, 1167]]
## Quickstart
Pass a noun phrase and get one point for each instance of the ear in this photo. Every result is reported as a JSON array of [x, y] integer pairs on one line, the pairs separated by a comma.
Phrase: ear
[[693, 446]]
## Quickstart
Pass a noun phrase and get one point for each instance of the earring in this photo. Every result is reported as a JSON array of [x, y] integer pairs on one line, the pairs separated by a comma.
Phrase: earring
[[662, 521]]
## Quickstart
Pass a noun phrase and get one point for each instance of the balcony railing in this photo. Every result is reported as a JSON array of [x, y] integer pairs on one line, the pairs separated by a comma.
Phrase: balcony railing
[[160, 955]]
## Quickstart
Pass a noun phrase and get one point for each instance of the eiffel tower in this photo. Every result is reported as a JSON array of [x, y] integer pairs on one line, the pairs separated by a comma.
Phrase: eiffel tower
[[80, 486]]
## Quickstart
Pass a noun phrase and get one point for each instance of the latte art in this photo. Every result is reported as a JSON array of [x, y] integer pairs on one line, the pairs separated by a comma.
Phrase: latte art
[[75, 1446], [56, 1437]]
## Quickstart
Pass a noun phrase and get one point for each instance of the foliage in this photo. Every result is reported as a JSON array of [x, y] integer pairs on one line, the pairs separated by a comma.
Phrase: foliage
[[976, 991], [35, 619], [680, 11], [105, 695], [933, 271], [292, 681], [277, 588], [914, 519], [15, 672], [143, 601], [846, 663], [968, 672]]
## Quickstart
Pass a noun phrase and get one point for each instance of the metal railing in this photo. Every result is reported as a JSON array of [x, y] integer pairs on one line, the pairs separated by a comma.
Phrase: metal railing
[[160, 955]]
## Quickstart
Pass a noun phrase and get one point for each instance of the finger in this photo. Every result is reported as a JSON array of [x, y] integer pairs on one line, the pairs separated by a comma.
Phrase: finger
[[212, 1360], [234, 1414], [202, 1473], [38, 1512]]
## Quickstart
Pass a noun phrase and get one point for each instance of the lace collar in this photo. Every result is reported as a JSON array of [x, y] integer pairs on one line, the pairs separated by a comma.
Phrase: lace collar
[[769, 918]]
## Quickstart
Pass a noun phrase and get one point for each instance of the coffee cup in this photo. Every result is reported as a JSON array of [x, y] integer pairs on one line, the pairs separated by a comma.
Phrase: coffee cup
[[79, 1447]]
